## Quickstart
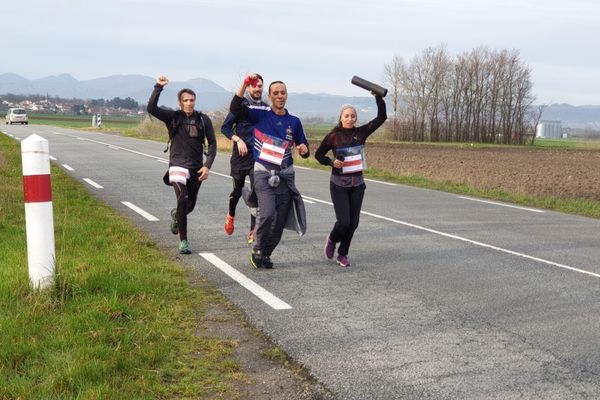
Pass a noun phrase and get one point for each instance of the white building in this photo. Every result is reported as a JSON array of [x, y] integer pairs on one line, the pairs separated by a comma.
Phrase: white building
[[550, 130]]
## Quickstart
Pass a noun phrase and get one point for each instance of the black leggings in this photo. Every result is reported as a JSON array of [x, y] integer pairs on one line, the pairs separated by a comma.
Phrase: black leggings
[[239, 179], [186, 201], [347, 203]]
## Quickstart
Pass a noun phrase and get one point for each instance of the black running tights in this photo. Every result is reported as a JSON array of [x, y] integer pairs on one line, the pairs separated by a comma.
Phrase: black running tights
[[347, 203]]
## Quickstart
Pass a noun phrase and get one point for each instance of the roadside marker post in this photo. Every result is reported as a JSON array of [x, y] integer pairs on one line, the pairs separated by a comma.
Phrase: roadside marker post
[[99, 121], [39, 221]]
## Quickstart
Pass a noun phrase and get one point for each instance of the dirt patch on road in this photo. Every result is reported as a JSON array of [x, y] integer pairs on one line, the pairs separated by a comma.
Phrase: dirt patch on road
[[562, 173]]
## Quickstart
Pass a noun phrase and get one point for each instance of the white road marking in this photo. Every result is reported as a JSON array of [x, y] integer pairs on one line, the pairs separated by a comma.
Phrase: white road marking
[[308, 201], [502, 204], [219, 174], [68, 168], [266, 296], [110, 146], [80, 138], [317, 200], [94, 184], [163, 161], [306, 168], [381, 182], [489, 246], [53, 158], [138, 210]]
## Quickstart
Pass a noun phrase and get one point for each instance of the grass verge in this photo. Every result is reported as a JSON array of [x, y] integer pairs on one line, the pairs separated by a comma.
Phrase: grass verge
[[119, 322]]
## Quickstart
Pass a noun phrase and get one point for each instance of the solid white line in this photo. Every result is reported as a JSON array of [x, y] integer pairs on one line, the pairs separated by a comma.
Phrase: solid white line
[[502, 204], [219, 174], [138, 210], [53, 158], [383, 183], [80, 138], [489, 246], [94, 184], [249, 284], [163, 161], [68, 168], [110, 146], [317, 200], [308, 201]]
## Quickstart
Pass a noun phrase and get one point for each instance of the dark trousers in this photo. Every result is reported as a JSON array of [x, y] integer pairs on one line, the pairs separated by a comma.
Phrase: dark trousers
[[186, 201], [273, 208], [239, 178], [347, 203]]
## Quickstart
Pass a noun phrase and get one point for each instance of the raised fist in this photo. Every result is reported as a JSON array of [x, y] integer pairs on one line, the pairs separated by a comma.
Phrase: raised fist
[[162, 80]]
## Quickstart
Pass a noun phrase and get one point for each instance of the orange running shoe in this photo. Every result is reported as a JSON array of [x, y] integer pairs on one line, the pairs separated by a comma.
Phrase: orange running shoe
[[229, 224]]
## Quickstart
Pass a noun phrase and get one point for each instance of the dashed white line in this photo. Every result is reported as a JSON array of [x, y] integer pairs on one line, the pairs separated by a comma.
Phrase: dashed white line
[[266, 296], [68, 168], [308, 201], [113, 147], [162, 161], [140, 211], [502, 204], [94, 184]]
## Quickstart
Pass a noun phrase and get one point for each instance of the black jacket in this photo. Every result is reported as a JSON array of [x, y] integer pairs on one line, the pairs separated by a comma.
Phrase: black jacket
[[186, 133]]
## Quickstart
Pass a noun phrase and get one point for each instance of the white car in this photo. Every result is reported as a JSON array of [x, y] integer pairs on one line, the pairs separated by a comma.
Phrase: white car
[[16, 116]]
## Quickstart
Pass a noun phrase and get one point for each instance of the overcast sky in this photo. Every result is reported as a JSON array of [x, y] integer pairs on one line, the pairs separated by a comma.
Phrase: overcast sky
[[315, 46]]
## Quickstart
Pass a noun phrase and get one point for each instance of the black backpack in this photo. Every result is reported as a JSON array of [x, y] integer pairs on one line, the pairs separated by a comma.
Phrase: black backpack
[[173, 126]]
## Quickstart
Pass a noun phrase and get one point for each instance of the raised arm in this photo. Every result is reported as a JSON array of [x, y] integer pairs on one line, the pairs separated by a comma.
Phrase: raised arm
[[153, 108], [376, 122]]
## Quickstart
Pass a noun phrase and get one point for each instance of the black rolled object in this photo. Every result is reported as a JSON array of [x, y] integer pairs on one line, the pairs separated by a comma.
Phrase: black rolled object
[[370, 86]]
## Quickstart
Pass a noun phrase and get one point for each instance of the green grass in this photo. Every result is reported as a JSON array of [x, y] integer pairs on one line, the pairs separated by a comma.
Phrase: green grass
[[567, 144], [120, 321], [84, 121]]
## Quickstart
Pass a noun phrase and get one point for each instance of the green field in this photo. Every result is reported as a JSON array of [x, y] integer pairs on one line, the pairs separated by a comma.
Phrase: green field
[[83, 121]]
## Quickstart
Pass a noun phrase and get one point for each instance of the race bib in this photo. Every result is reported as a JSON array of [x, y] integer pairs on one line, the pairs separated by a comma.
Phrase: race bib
[[178, 175], [353, 159], [272, 149]]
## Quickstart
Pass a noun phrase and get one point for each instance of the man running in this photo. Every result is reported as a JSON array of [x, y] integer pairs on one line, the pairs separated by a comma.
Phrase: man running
[[275, 133], [187, 130], [241, 133]]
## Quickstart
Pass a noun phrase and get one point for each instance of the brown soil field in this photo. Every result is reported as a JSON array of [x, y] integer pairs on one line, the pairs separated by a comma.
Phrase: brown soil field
[[561, 173]]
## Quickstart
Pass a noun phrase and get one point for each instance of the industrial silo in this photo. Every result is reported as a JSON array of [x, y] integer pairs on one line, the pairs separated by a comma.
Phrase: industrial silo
[[549, 130]]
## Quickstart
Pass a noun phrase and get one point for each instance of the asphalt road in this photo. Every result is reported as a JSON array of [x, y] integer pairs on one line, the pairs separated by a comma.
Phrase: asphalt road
[[447, 297]]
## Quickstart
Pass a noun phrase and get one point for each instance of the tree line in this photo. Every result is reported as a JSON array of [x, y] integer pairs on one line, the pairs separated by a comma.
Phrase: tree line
[[481, 96]]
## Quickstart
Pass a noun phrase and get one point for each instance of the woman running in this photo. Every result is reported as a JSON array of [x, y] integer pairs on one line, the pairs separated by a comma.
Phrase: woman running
[[347, 185]]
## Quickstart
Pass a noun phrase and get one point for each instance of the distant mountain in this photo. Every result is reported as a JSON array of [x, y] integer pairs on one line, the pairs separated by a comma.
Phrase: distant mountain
[[212, 97], [577, 117]]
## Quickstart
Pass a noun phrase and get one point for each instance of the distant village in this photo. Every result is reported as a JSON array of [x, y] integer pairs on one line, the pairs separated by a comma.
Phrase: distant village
[[126, 107], [56, 105]]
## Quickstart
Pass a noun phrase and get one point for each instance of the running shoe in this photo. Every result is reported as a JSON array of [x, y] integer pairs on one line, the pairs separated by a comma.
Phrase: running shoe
[[184, 247], [344, 261], [250, 238], [329, 248], [267, 263], [229, 224], [256, 259], [174, 226]]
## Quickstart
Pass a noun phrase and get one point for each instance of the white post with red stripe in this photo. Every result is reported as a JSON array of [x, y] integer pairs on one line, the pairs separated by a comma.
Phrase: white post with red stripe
[[38, 211]]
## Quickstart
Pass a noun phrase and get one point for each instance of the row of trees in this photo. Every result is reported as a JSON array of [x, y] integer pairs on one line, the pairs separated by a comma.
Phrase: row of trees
[[479, 96]]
